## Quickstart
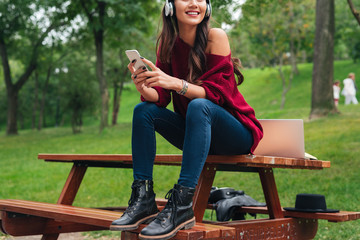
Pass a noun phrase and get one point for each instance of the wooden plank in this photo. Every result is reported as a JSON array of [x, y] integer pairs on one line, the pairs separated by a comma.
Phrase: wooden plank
[[126, 235], [8, 204], [282, 228], [352, 215], [202, 192], [175, 159], [199, 231], [88, 216], [207, 232], [24, 226], [270, 193], [30, 225], [189, 234], [224, 231], [279, 229], [341, 216]]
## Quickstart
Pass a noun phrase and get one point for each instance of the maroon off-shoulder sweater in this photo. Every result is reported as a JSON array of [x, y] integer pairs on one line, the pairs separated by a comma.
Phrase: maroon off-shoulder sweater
[[219, 83]]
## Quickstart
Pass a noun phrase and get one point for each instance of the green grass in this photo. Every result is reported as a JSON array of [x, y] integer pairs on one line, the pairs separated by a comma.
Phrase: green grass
[[335, 138]]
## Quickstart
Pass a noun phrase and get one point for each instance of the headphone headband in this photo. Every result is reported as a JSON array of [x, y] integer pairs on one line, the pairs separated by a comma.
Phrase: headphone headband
[[169, 8]]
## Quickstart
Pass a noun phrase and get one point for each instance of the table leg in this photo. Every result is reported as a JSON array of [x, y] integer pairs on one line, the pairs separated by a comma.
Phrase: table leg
[[69, 192], [72, 185], [270, 193], [202, 192]]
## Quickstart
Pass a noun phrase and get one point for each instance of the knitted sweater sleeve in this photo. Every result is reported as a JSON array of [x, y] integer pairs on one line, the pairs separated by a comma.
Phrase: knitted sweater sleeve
[[164, 94]]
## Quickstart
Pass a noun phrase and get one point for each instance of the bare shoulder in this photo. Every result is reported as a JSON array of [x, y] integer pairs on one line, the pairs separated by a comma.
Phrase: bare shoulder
[[218, 42]]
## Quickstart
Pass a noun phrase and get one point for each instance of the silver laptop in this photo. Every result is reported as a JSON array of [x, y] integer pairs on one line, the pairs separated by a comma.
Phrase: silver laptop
[[282, 138]]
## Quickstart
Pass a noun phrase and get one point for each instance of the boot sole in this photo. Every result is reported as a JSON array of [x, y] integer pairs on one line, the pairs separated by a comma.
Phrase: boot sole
[[185, 225], [132, 226]]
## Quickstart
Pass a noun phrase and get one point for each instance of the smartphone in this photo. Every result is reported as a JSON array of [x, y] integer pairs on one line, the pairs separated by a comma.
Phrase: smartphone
[[134, 54]]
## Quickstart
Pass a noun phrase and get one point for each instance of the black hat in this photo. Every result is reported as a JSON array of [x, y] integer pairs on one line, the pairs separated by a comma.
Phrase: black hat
[[310, 203]]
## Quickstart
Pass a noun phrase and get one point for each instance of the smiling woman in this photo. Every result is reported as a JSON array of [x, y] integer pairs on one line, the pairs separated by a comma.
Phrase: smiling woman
[[195, 70], [190, 13]]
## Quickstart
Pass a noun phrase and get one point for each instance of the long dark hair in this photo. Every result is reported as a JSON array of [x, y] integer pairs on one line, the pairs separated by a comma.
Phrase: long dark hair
[[197, 56]]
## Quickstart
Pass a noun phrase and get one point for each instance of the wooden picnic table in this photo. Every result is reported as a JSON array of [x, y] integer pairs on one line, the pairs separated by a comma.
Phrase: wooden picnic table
[[23, 218]]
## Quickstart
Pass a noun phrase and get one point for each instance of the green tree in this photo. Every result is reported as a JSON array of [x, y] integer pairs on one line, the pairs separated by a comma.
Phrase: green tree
[[21, 38], [347, 32], [110, 17], [276, 33], [354, 11], [78, 89]]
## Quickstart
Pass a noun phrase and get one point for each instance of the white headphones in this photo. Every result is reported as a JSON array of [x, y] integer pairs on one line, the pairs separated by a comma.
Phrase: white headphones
[[169, 9]]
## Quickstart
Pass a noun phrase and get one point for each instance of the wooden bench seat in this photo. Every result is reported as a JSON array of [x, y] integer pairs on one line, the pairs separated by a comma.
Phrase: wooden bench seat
[[341, 216], [37, 214], [61, 212]]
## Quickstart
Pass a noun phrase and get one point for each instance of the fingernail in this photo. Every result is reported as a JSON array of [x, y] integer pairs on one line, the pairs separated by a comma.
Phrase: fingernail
[[144, 68], [141, 57], [133, 61]]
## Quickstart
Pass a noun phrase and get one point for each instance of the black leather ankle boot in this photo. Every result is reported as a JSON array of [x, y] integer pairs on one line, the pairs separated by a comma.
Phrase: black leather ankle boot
[[177, 214], [142, 207]]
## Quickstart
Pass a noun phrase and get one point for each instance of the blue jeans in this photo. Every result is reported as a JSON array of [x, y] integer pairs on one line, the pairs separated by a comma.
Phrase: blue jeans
[[207, 129]]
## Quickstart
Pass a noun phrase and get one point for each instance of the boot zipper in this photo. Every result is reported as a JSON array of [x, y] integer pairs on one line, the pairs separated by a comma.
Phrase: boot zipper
[[146, 185]]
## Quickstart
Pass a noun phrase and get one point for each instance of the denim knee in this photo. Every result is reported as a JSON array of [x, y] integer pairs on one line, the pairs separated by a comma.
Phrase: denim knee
[[141, 110], [198, 108], [199, 104]]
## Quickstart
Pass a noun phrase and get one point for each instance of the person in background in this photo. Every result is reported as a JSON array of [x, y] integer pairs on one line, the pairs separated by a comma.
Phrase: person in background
[[336, 90], [349, 90], [195, 70]]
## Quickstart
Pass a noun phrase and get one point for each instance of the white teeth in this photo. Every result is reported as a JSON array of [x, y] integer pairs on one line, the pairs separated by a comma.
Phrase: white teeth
[[193, 13]]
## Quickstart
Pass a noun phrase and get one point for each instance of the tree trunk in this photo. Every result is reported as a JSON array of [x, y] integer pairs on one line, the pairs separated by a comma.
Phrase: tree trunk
[[36, 101], [57, 113], [118, 88], [303, 56], [278, 63], [99, 43], [354, 12], [98, 31], [286, 85], [294, 67], [12, 99], [116, 103], [292, 35], [12, 95], [102, 81], [43, 99], [76, 121], [322, 79]]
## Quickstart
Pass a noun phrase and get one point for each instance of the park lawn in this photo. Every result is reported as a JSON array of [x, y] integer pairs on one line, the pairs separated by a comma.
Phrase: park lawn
[[335, 138]]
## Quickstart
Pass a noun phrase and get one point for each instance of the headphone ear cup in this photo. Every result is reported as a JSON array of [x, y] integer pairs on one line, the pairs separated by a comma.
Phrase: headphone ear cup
[[169, 9], [208, 9]]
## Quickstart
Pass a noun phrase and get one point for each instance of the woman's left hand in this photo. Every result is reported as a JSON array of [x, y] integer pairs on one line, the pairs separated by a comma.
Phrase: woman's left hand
[[157, 78]]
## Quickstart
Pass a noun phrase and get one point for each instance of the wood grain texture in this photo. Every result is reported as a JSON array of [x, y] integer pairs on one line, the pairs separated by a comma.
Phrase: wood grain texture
[[175, 159]]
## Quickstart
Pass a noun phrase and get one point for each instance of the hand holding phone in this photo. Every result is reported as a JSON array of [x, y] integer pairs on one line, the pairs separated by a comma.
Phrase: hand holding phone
[[134, 55]]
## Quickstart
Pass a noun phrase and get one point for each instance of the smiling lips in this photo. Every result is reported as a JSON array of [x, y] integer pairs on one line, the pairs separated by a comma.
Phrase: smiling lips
[[192, 13]]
